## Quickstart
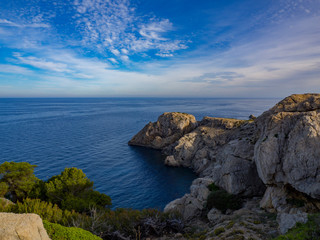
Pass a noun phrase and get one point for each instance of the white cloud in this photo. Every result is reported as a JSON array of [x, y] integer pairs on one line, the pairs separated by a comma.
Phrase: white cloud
[[43, 63], [114, 25], [113, 60], [153, 30], [9, 68], [5, 22], [115, 52], [124, 58], [124, 51], [164, 54]]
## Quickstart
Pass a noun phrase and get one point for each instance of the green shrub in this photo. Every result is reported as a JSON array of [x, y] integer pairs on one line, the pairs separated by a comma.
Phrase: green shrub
[[4, 187], [223, 200], [212, 187], [72, 190], [307, 231], [218, 231], [58, 232], [17, 180], [47, 211]]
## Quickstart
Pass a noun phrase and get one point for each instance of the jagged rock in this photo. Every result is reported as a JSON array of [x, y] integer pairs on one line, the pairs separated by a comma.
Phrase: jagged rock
[[274, 199], [22, 227], [168, 129], [288, 149], [278, 151], [287, 221], [223, 150], [191, 205]]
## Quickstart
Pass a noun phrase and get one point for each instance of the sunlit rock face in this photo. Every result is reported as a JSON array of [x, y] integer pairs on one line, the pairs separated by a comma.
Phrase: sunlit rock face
[[169, 128], [22, 227], [288, 149]]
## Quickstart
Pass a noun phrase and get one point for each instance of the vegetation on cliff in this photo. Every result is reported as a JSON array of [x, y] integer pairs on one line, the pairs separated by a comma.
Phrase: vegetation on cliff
[[70, 200], [58, 232]]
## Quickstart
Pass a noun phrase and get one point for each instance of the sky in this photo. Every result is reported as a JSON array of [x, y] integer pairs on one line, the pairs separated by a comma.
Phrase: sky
[[159, 48]]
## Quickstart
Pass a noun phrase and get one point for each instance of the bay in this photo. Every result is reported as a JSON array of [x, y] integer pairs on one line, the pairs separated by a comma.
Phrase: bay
[[92, 134]]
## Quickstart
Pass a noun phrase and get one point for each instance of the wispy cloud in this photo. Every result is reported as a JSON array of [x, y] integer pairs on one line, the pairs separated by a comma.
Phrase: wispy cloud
[[113, 26], [215, 78], [4, 22]]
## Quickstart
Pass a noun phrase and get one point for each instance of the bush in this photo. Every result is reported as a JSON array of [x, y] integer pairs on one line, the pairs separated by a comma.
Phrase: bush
[[58, 232], [223, 200], [212, 187], [17, 180], [72, 190], [47, 211]]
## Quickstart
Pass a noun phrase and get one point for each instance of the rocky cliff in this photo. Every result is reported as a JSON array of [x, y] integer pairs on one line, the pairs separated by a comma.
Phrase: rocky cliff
[[276, 156]]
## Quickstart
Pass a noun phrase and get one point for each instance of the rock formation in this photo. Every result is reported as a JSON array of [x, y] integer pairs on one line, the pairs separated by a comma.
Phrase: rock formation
[[22, 227], [287, 153], [276, 155], [168, 129]]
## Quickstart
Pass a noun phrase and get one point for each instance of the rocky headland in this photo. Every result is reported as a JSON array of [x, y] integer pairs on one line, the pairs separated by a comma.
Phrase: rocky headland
[[272, 163]]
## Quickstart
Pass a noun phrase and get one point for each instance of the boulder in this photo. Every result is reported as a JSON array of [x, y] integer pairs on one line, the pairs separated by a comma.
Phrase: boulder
[[22, 227], [169, 128], [287, 221], [214, 215], [288, 149], [191, 205]]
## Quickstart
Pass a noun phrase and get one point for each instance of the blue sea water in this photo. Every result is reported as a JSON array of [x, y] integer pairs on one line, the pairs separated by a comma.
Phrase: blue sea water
[[92, 134]]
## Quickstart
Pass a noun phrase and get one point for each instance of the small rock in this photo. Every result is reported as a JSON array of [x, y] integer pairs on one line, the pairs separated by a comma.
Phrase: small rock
[[214, 215], [287, 221], [170, 161]]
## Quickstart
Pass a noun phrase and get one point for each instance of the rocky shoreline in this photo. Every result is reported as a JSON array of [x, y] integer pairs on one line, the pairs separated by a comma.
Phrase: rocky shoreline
[[271, 162]]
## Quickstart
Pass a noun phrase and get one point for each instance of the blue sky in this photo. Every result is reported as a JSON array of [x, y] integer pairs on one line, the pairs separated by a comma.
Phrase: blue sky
[[160, 48]]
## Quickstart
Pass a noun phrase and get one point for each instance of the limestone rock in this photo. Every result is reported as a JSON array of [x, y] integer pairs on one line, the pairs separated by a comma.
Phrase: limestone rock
[[171, 161], [191, 205], [278, 151], [274, 199], [22, 227], [168, 129], [223, 150], [214, 215], [287, 221], [298, 103], [288, 149]]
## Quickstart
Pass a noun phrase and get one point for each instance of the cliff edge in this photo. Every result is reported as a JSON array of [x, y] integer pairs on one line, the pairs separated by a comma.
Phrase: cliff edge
[[274, 157]]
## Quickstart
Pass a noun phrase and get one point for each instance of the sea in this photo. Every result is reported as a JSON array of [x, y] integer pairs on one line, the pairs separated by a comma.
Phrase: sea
[[92, 134]]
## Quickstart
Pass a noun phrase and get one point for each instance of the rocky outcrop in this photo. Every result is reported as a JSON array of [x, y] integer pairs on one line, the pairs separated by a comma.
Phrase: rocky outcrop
[[287, 152], [168, 129], [221, 149], [21, 227], [276, 155]]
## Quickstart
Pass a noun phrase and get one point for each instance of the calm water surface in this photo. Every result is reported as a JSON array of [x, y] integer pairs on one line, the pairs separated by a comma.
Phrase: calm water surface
[[92, 134]]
